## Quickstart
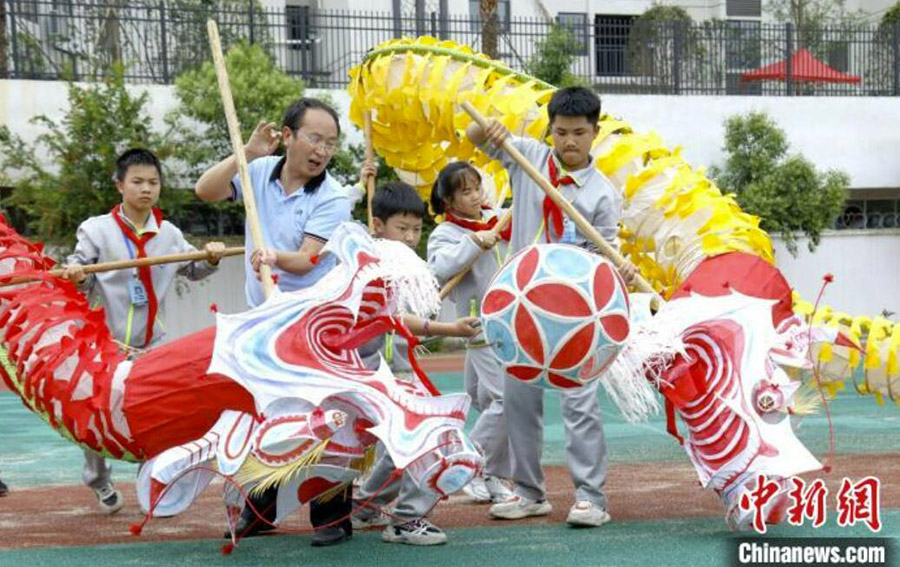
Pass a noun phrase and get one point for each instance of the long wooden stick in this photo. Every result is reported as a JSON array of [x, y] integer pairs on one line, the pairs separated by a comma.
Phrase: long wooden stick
[[583, 225], [237, 144], [135, 263], [370, 156], [454, 281]]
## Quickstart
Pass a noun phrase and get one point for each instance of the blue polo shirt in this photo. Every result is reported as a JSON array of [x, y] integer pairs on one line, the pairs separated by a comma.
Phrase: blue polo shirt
[[287, 219]]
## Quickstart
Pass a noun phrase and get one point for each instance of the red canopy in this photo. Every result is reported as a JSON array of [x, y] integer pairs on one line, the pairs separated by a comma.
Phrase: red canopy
[[804, 68]]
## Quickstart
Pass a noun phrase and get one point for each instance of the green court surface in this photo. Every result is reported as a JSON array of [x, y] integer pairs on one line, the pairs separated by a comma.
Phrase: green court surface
[[31, 454], [694, 543]]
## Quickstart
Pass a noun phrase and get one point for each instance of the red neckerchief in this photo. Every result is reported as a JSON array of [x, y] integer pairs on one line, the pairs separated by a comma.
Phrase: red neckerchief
[[553, 215], [476, 226], [144, 271]]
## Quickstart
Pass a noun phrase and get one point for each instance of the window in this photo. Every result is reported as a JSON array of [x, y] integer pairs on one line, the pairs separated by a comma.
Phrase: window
[[742, 44], [61, 18], [839, 55], [869, 213], [503, 12], [300, 56], [743, 8], [26, 9], [611, 44], [298, 31], [577, 24]]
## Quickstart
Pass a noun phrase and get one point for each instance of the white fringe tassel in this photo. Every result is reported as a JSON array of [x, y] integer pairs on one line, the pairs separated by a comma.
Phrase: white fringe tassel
[[416, 288], [632, 379]]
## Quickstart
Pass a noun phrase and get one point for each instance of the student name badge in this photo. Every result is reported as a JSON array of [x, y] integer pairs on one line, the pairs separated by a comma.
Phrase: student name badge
[[568, 233], [137, 292]]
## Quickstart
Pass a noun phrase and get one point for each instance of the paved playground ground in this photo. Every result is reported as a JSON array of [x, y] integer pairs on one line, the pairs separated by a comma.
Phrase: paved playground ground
[[661, 516]]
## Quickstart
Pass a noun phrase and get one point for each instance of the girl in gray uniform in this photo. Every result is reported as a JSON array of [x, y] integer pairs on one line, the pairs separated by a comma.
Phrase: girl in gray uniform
[[466, 236]]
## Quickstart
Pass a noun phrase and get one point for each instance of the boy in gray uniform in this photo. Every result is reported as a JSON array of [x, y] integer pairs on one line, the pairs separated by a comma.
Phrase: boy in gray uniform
[[467, 236], [132, 299], [574, 113], [398, 212]]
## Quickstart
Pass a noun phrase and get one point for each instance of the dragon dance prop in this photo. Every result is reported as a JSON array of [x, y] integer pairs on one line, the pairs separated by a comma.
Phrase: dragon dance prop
[[673, 218], [731, 306], [275, 396]]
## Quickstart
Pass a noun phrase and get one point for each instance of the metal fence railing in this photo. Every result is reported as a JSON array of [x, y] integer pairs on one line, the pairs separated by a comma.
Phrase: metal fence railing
[[155, 40]]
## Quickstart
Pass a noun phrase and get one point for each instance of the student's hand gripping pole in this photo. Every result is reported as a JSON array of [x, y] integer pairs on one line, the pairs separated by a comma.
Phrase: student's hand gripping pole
[[583, 225], [134, 263], [370, 156], [234, 130], [454, 281]]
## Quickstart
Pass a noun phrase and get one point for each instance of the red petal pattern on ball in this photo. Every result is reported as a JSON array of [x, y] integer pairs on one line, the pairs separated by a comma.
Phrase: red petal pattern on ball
[[524, 373], [604, 285], [561, 381], [616, 326], [528, 335], [527, 267], [559, 299], [496, 300], [575, 348]]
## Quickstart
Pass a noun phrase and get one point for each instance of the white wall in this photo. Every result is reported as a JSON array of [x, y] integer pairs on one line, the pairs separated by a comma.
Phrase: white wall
[[859, 135], [21, 100], [865, 265]]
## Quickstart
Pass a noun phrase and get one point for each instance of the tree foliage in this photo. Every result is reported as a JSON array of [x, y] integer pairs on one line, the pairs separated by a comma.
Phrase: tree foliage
[[552, 61], [659, 37], [260, 89], [786, 192], [65, 176], [891, 17], [813, 14]]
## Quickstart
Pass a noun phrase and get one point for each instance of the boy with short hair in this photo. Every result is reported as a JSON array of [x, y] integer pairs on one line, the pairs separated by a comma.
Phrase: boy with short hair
[[397, 212], [574, 114], [132, 299]]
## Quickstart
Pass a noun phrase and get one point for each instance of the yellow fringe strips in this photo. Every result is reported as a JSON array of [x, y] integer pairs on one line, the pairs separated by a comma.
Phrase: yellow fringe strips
[[673, 216], [262, 477]]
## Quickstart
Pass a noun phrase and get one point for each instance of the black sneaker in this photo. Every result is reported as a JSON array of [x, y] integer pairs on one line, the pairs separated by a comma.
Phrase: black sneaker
[[416, 532], [332, 535], [248, 525], [4, 490]]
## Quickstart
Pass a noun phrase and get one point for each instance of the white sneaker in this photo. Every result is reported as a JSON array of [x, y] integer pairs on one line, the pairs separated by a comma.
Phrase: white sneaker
[[368, 519], [477, 490], [499, 491], [416, 532], [587, 514], [109, 499], [518, 507]]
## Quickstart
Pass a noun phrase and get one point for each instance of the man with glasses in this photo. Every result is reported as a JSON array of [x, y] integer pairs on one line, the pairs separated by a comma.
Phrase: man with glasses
[[299, 206]]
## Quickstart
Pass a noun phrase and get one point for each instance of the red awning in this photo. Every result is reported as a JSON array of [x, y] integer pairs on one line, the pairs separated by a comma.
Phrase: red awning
[[804, 68]]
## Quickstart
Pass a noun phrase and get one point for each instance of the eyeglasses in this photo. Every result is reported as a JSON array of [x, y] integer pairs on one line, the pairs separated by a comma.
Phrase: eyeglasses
[[317, 142]]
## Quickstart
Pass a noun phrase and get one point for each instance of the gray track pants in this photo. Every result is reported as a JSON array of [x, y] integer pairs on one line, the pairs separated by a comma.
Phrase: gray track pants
[[586, 454], [484, 379], [96, 472], [412, 502]]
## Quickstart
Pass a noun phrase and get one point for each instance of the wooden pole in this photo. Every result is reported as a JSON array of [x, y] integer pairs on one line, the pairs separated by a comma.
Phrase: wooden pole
[[583, 225], [237, 144], [135, 263], [454, 281], [370, 156]]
